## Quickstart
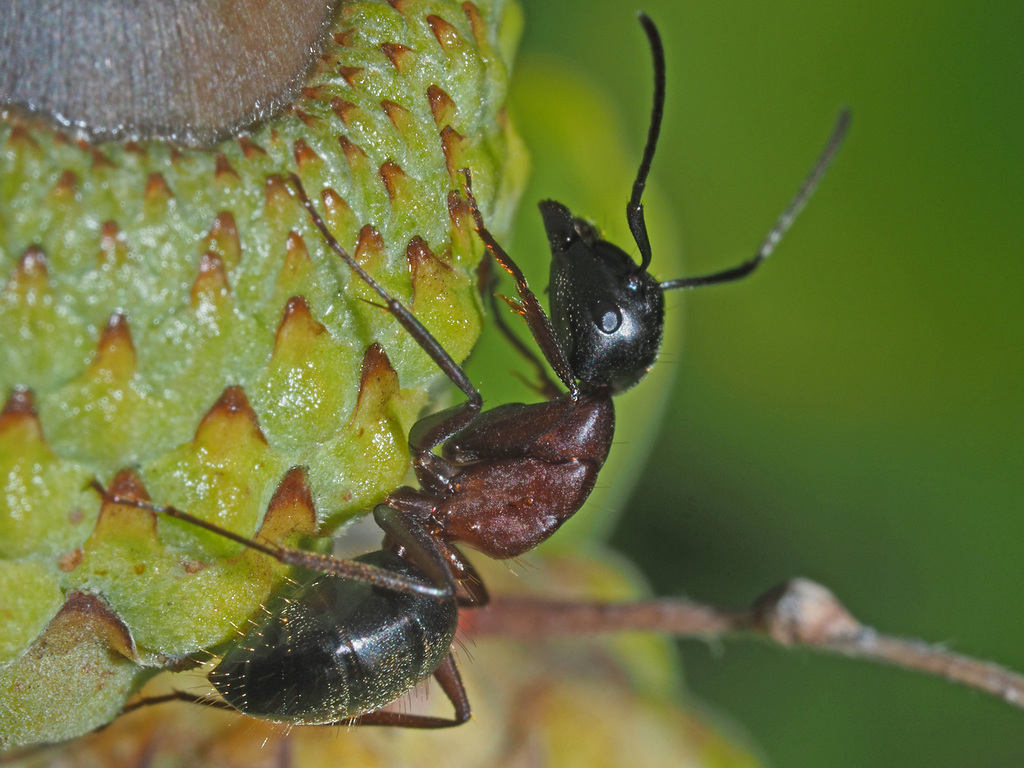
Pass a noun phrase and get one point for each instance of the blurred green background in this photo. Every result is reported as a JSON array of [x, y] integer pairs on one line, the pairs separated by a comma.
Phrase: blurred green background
[[854, 413]]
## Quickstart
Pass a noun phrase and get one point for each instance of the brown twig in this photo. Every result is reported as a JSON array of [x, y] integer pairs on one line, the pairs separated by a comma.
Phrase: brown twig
[[797, 613]]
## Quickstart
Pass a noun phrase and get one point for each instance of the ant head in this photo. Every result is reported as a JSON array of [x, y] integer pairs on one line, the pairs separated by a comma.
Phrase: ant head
[[607, 314]]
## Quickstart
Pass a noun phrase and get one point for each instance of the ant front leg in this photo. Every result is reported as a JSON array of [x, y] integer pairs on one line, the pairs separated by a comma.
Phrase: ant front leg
[[531, 310], [543, 385]]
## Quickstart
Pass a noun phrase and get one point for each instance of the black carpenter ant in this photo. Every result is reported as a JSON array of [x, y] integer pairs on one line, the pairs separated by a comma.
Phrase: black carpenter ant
[[341, 649]]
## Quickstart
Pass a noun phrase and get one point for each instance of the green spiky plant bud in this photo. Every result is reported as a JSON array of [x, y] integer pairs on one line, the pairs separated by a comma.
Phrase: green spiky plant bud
[[173, 326]]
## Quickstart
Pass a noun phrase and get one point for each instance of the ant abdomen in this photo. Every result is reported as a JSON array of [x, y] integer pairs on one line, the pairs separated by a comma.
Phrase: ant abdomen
[[337, 648]]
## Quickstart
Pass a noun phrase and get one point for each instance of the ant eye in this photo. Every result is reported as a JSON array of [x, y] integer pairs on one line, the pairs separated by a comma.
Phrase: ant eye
[[607, 316]]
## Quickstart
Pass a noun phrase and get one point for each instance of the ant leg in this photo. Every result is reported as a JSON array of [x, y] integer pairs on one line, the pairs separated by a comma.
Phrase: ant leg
[[188, 698], [431, 431], [476, 593], [447, 675], [545, 386], [419, 546], [450, 680], [314, 561], [473, 593], [532, 312], [440, 561]]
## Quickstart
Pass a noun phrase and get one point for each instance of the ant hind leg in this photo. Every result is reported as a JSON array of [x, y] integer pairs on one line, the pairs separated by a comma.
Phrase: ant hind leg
[[448, 677], [188, 698], [314, 561]]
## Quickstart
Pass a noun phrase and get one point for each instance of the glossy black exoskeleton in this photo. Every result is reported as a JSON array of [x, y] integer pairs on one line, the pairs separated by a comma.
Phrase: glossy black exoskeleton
[[606, 314], [505, 479], [342, 641]]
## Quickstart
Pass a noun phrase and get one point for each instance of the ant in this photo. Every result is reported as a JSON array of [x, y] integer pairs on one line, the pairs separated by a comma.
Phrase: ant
[[339, 649]]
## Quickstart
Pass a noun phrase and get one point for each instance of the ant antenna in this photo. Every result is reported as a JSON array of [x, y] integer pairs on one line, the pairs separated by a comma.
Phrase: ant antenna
[[634, 208], [784, 222]]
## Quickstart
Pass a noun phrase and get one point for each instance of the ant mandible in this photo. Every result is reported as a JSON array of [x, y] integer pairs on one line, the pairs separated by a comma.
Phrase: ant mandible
[[340, 649]]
